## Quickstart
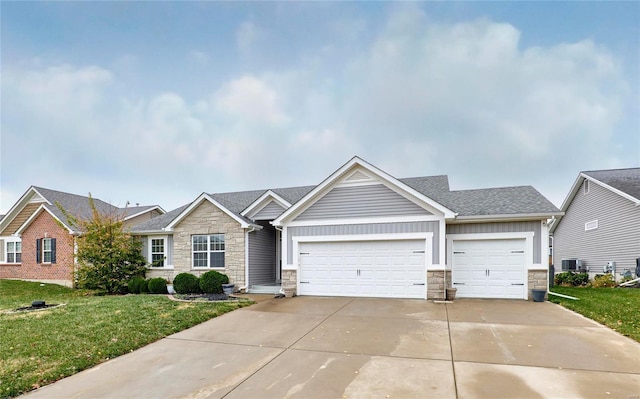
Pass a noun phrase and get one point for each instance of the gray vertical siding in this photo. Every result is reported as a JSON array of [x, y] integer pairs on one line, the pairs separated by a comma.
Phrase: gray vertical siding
[[503, 227], [169, 250], [145, 247], [374, 228], [262, 255], [269, 212], [616, 239], [2, 251], [361, 201]]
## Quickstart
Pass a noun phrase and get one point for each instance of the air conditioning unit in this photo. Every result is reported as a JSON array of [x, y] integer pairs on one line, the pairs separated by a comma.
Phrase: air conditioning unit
[[572, 265]]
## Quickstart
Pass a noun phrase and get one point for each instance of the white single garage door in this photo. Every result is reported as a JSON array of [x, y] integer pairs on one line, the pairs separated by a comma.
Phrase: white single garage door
[[387, 269], [489, 268]]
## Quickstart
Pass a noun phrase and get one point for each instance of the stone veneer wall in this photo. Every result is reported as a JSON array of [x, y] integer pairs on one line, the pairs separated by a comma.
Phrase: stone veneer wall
[[537, 280], [290, 282], [208, 219], [435, 284]]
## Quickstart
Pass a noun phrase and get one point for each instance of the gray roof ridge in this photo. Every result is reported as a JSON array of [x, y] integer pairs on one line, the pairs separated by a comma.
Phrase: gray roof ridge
[[492, 188], [609, 170]]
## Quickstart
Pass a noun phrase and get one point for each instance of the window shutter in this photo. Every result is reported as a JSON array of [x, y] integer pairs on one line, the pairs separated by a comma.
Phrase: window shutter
[[2, 258], [53, 250], [39, 250]]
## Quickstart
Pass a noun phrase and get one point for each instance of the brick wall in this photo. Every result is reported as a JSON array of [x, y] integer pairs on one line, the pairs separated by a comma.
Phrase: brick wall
[[60, 272], [208, 219], [537, 280], [435, 284]]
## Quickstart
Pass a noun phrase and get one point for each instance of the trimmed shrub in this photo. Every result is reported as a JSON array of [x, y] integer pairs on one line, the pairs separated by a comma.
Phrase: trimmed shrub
[[144, 287], [186, 283], [211, 282], [603, 280], [134, 284], [571, 279], [158, 285]]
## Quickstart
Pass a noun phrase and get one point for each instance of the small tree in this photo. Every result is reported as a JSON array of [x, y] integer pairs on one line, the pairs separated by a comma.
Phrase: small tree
[[108, 256]]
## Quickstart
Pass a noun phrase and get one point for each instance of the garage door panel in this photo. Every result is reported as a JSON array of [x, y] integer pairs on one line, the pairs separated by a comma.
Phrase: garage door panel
[[489, 268], [364, 268]]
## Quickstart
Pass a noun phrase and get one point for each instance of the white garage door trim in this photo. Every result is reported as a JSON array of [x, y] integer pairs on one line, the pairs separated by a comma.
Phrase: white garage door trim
[[528, 248], [427, 237]]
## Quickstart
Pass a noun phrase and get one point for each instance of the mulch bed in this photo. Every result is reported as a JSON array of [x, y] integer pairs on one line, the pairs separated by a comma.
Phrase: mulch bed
[[202, 297]]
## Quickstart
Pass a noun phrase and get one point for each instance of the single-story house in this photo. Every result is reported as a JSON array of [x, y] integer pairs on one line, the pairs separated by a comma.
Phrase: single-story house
[[361, 232], [37, 242], [601, 224]]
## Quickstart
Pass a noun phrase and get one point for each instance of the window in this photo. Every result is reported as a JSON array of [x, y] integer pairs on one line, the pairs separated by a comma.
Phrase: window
[[46, 250], [157, 252], [208, 250], [592, 225], [14, 252], [586, 186]]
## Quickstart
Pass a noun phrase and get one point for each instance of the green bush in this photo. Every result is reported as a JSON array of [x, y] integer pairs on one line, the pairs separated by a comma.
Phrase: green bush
[[571, 279], [134, 284], [186, 283], [158, 285], [144, 287], [211, 282], [603, 280]]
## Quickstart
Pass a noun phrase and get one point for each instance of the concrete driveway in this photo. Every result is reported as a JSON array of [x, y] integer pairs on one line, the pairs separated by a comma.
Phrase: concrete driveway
[[310, 347]]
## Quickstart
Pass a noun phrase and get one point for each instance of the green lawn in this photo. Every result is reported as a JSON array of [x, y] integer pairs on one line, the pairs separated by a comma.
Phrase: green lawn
[[616, 308], [38, 348]]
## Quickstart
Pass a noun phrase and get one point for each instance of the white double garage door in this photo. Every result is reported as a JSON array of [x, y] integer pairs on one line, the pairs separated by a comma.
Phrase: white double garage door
[[397, 268]]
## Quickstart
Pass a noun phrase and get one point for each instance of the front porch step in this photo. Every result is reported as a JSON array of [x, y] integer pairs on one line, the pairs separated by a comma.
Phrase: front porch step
[[264, 289]]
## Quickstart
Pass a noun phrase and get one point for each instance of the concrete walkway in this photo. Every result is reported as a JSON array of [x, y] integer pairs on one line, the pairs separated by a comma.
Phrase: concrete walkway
[[310, 347]]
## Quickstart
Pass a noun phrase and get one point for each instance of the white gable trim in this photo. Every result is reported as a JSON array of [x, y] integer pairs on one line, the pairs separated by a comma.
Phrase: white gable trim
[[265, 199], [19, 206], [145, 211], [35, 214], [206, 197], [574, 191], [394, 184]]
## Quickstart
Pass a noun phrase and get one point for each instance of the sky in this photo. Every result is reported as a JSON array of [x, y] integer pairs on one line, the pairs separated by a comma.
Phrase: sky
[[157, 102]]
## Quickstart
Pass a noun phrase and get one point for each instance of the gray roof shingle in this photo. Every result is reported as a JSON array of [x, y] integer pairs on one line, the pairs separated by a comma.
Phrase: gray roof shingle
[[78, 206], [522, 200], [625, 180]]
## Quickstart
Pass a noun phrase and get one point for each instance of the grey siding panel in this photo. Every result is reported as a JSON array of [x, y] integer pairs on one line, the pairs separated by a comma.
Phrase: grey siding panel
[[503, 227], [361, 201], [145, 247], [269, 212], [616, 239], [169, 251], [374, 228], [262, 255]]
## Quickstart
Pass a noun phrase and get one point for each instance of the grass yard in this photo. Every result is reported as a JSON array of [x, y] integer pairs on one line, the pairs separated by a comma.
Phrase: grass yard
[[616, 308], [38, 348]]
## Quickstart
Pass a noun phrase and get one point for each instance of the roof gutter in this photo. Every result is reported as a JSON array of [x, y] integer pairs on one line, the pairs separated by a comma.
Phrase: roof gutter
[[515, 216]]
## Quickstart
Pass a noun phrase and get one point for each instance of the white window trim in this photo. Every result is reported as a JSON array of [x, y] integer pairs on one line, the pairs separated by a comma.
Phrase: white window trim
[[44, 251], [6, 251], [149, 252], [209, 251], [592, 225]]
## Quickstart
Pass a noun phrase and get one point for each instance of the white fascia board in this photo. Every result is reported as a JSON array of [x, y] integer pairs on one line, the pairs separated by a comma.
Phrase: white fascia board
[[35, 214], [19, 206], [206, 197], [262, 201], [149, 232], [507, 217], [391, 181], [376, 220], [145, 211], [612, 189]]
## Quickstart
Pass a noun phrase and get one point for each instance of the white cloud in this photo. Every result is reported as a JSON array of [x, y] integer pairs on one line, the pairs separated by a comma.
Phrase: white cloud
[[250, 99]]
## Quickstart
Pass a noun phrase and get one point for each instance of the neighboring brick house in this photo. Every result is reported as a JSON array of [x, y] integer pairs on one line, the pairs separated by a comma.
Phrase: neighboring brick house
[[361, 232], [37, 241]]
